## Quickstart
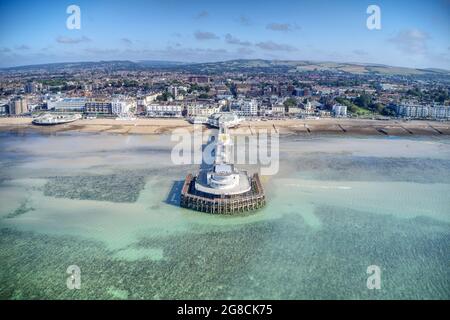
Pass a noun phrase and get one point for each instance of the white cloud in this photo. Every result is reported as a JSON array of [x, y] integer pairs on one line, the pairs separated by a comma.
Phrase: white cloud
[[205, 35], [69, 40], [244, 21], [273, 46], [233, 40], [411, 41], [22, 47], [127, 41], [202, 14], [284, 27]]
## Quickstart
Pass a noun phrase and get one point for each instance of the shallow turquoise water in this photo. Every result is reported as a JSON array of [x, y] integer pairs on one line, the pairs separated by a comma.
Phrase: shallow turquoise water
[[337, 205]]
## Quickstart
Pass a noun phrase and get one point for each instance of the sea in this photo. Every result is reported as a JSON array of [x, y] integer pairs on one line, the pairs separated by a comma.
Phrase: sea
[[338, 208]]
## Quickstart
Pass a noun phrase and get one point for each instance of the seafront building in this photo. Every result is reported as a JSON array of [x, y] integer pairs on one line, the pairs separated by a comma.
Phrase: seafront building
[[122, 105], [440, 112], [249, 95], [278, 109], [4, 107], [415, 111], [67, 104], [245, 107], [198, 120], [18, 106], [202, 110], [293, 111], [98, 106], [224, 119], [164, 110], [144, 100], [339, 110], [249, 108]]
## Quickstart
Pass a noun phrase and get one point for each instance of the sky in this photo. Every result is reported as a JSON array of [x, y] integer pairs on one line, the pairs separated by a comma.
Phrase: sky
[[413, 33]]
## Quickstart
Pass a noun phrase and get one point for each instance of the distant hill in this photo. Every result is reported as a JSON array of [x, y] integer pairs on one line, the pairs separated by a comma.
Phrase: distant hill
[[91, 65], [159, 63], [277, 66], [116, 65], [239, 65]]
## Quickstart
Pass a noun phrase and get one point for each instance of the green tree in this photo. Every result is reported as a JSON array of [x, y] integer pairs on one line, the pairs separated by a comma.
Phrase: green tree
[[164, 96], [363, 101], [290, 102], [389, 111], [351, 107], [377, 107]]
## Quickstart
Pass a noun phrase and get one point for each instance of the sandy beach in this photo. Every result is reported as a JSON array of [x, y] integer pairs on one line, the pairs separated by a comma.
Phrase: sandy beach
[[289, 126]]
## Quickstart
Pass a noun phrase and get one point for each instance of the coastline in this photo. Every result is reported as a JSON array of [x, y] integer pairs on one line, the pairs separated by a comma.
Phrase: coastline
[[288, 126]]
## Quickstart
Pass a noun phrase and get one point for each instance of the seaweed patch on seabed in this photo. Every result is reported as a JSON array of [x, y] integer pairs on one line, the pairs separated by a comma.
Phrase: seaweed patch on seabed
[[278, 259], [123, 187], [359, 168], [22, 209]]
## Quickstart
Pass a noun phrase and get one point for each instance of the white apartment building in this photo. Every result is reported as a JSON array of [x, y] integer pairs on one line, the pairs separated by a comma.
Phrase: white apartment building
[[339, 110], [194, 110], [248, 108], [18, 105], [423, 112], [173, 90], [148, 99], [164, 110], [122, 105], [440, 112], [67, 104]]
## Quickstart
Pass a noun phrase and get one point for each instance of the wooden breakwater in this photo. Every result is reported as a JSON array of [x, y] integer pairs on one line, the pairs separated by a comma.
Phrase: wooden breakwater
[[222, 204]]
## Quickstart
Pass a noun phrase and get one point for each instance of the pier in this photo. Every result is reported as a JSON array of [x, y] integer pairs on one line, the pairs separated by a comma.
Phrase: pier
[[222, 189], [251, 200]]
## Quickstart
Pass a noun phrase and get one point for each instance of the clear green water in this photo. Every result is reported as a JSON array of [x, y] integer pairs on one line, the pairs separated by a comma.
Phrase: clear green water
[[338, 205]]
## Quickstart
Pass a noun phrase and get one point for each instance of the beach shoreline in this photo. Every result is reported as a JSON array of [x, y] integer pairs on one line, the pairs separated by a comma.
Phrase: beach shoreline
[[288, 126]]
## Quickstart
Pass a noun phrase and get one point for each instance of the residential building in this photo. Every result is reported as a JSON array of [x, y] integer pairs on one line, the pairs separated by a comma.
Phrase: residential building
[[67, 104], [339, 110], [31, 87], [173, 90], [150, 98], [293, 110], [18, 105], [194, 110], [440, 112], [99, 106], [4, 107], [416, 111], [198, 79], [278, 109], [248, 108], [122, 105], [164, 110]]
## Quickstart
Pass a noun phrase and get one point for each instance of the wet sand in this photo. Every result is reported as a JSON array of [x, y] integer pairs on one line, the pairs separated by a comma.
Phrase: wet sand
[[291, 126]]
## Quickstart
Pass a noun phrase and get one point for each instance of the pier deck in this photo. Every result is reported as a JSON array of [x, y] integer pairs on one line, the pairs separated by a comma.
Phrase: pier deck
[[222, 204]]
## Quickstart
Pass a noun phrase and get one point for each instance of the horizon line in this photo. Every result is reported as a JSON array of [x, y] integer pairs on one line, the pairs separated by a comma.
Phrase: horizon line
[[219, 61]]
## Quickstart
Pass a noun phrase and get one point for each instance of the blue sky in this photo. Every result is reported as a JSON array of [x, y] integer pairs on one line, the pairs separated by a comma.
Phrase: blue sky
[[413, 33]]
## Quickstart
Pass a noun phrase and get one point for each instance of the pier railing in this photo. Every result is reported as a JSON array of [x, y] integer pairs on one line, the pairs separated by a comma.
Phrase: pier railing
[[252, 200]]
